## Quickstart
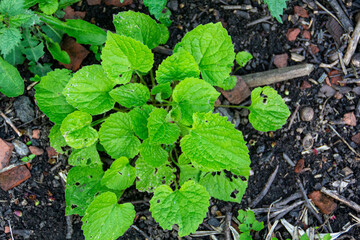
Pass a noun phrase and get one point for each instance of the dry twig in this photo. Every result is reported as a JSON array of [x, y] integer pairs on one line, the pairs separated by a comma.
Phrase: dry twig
[[352, 42], [342, 139], [141, 232], [8, 121], [340, 198], [227, 226]]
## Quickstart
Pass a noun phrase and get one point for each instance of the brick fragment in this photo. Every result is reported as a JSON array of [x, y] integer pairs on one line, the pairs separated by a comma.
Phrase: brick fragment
[[306, 34], [292, 34], [305, 85], [51, 152], [281, 60], [36, 133], [356, 138], [326, 205], [301, 12], [14, 177], [93, 2], [6, 149], [350, 119], [239, 93], [37, 151]]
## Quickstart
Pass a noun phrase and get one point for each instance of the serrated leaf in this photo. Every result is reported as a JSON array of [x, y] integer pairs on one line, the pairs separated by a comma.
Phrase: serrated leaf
[[242, 58], [177, 67], [21, 19], [105, 219], [188, 172], [212, 49], [193, 95], [139, 119], [11, 83], [131, 95], [224, 188], [82, 186], [77, 131], [120, 175], [48, 6], [162, 91], [9, 39], [57, 140], [49, 95], [87, 156], [214, 144], [117, 136], [40, 69], [141, 27], [155, 7], [268, 111], [229, 83], [123, 55], [160, 130], [31, 47], [56, 52], [15, 57], [12, 8], [149, 178], [276, 8], [153, 154], [88, 90], [186, 207]]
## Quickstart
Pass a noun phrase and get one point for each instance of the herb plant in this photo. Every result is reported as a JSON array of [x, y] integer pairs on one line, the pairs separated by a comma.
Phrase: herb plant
[[248, 224], [166, 139], [276, 8]]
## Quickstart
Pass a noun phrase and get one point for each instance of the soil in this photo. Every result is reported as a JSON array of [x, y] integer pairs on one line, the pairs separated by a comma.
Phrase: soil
[[322, 168]]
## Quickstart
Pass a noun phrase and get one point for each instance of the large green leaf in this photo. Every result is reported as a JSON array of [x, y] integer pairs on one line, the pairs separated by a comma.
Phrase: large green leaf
[[188, 172], [268, 111], [88, 90], [131, 95], [276, 8], [139, 120], [49, 95], [105, 219], [193, 95], [177, 67], [212, 49], [120, 175], [57, 140], [141, 27], [12, 8], [48, 6], [85, 157], [186, 207], [153, 154], [15, 56], [11, 83], [123, 55], [213, 144], [161, 131], [117, 136], [77, 131], [9, 39]]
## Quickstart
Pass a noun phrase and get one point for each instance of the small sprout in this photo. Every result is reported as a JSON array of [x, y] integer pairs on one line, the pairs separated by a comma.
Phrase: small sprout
[[28, 143], [307, 114], [286, 92], [36, 203]]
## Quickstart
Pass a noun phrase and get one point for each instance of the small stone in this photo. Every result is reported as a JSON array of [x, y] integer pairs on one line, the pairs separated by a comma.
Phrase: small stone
[[36, 134], [266, 27], [6, 149], [213, 210], [173, 5], [301, 12], [292, 33], [308, 141], [326, 91], [213, 222], [347, 171], [14, 177], [350, 119], [21, 148], [35, 150], [239, 93], [306, 34], [356, 90], [356, 60], [305, 85], [314, 49], [356, 138], [51, 152], [307, 114], [325, 204], [260, 149], [93, 2], [24, 109], [117, 3], [297, 57], [280, 60]]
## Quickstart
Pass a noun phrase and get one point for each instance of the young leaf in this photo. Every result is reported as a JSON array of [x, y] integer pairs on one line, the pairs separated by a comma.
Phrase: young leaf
[[82, 186], [57, 140], [160, 130], [155, 7], [131, 95], [11, 83], [9, 39], [31, 47], [276, 8], [141, 27], [139, 119], [242, 58], [229, 83], [193, 95], [55, 51], [212, 49], [87, 156], [153, 154], [268, 111], [48, 6], [120, 175], [105, 219], [214, 144], [117, 136], [150, 178], [177, 67], [162, 91], [77, 131], [15, 56], [224, 188], [49, 95], [88, 90], [186, 207], [22, 20], [123, 55]]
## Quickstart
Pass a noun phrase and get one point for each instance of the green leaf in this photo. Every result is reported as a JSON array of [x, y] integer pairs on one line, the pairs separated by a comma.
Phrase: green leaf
[[155, 7], [188, 172], [141, 27], [49, 95], [123, 55], [162, 91], [131, 95], [57, 140], [32, 47], [193, 95], [268, 111], [11, 83], [9, 39], [221, 187], [65, 3], [276, 8], [153, 154], [11, 8], [165, 17], [55, 34], [77, 131], [186, 207], [214, 144], [40, 69], [25, 20], [120, 175], [229, 83], [88, 90], [83, 157], [258, 226], [105, 219], [84, 32], [48, 6], [242, 58], [55, 51], [117, 136], [82, 186], [177, 67], [212, 49], [139, 119], [160, 130], [15, 57], [149, 178]]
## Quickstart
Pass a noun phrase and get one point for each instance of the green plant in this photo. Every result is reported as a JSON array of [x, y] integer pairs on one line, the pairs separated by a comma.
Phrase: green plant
[[276, 8], [167, 139], [248, 224]]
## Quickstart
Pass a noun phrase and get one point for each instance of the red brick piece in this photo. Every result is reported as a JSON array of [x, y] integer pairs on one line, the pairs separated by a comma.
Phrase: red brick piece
[[301, 12], [117, 3], [35, 150], [51, 152], [36, 134], [305, 85], [356, 138], [14, 177], [5, 153], [314, 49], [292, 33], [93, 2], [239, 93], [299, 165], [281, 60], [335, 77], [350, 119], [306, 34], [325, 204]]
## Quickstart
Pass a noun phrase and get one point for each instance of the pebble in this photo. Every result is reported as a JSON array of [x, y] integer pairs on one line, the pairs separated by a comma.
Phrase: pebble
[[173, 5], [356, 60], [260, 149], [301, 12], [307, 114], [35, 150], [281, 60], [308, 141], [214, 222], [24, 109], [326, 91], [21, 148], [266, 27]]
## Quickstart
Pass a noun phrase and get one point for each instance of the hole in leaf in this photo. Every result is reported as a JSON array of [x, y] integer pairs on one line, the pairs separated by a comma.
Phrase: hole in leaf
[[73, 206], [77, 183], [163, 177], [158, 201], [91, 176], [233, 194], [156, 170], [88, 161], [163, 181], [120, 75], [242, 178], [96, 194], [119, 173]]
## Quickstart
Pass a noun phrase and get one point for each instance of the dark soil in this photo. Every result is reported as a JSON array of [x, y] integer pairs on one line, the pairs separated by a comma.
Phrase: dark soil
[[263, 41]]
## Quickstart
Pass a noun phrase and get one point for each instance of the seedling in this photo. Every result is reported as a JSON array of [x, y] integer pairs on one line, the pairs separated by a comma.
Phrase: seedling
[[248, 224]]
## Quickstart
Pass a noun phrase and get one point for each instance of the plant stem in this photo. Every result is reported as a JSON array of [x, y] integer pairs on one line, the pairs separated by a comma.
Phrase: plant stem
[[96, 122], [142, 80], [163, 104], [120, 110], [230, 106]]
